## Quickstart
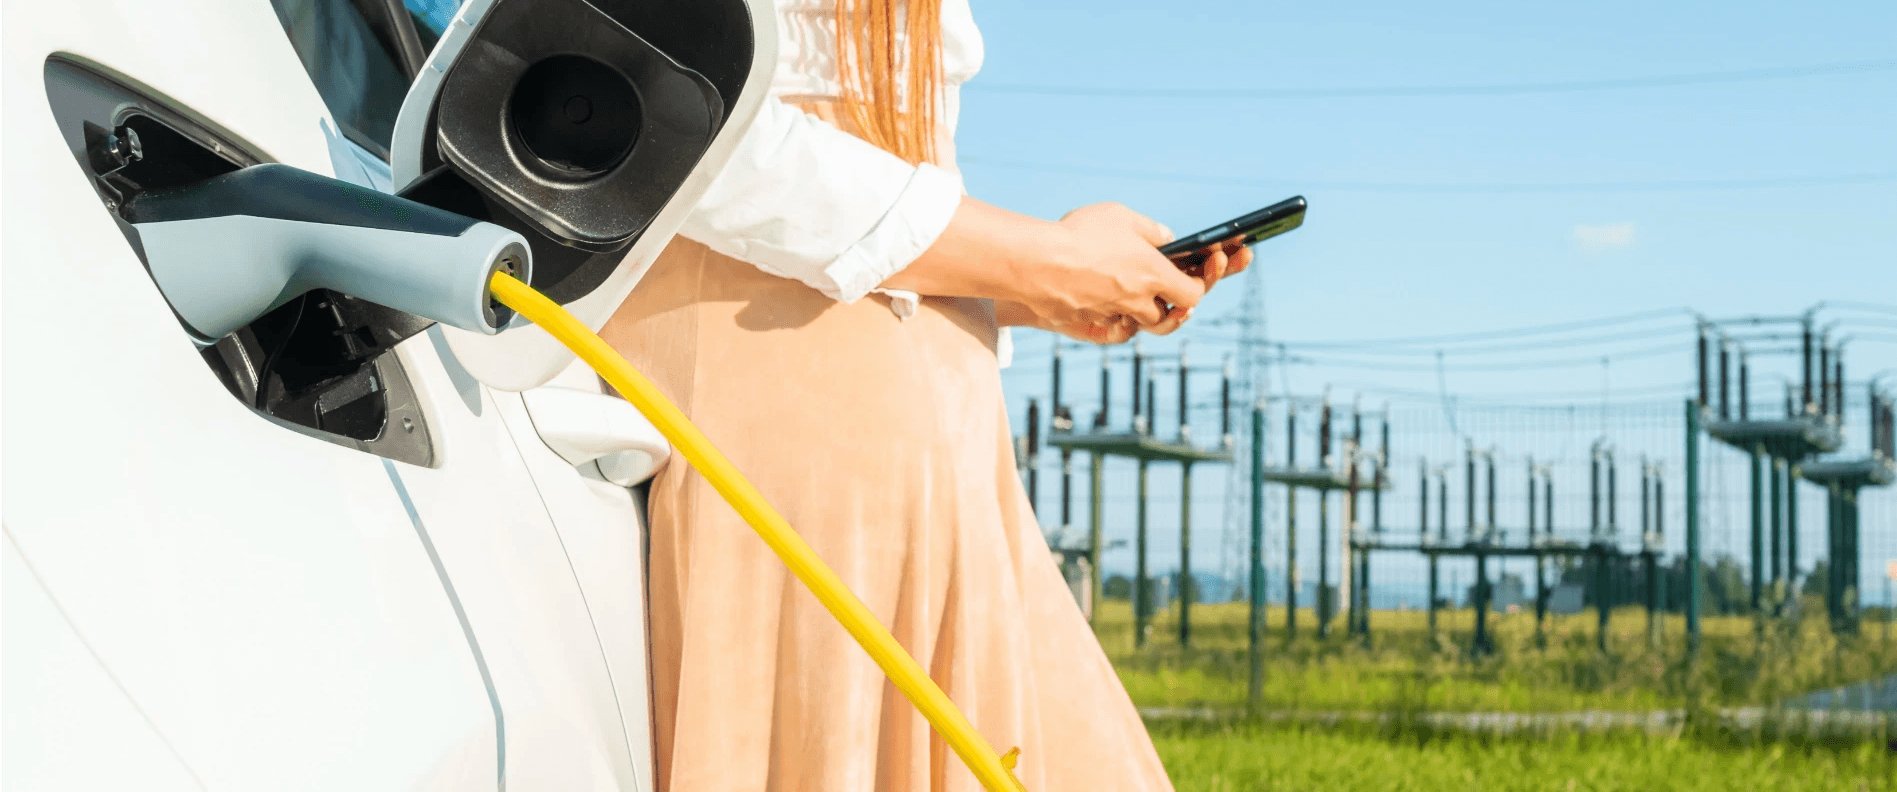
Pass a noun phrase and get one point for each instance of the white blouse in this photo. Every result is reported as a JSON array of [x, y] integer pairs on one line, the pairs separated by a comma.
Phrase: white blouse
[[803, 199]]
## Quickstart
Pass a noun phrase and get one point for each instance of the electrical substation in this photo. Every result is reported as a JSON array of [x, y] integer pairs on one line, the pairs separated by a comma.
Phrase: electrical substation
[[1539, 509]]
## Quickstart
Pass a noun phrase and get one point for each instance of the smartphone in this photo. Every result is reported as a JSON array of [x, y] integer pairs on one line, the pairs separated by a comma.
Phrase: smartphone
[[1191, 251]]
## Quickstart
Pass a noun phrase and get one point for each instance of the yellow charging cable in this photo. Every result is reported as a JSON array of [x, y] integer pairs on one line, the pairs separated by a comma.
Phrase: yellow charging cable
[[996, 773]]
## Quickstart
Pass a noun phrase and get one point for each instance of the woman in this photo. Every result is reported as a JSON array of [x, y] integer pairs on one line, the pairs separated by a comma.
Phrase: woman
[[786, 322]]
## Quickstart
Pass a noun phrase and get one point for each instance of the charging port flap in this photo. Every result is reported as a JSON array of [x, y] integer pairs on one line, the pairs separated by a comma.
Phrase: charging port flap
[[590, 128]]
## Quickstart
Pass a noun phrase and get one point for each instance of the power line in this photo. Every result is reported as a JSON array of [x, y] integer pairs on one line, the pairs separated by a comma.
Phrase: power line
[[1378, 365], [1499, 188], [1354, 358], [1876, 322], [1492, 89], [1347, 354], [1430, 345], [1683, 331], [1483, 335], [1511, 398], [1849, 305]]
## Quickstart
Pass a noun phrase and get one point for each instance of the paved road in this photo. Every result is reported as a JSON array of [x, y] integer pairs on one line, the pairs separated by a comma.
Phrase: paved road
[[1877, 695], [1867, 706]]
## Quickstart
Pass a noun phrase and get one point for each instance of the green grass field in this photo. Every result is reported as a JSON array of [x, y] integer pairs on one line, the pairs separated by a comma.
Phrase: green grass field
[[1202, 757], [1400, 670]]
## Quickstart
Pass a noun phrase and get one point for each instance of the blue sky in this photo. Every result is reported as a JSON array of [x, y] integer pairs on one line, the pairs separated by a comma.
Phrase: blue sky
[[1456, 255]]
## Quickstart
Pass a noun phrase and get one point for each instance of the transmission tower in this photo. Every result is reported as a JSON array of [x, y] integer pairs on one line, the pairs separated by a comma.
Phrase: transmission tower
[[1248, 386]]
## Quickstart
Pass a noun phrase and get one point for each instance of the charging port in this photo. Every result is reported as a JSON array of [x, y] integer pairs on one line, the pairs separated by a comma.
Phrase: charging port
[[315, 364]]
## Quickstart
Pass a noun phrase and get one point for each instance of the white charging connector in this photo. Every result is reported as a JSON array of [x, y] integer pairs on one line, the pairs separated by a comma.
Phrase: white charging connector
[[227, 250]]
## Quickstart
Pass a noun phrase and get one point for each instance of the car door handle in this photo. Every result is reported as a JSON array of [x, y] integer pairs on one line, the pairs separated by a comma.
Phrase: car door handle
[[585, 427]]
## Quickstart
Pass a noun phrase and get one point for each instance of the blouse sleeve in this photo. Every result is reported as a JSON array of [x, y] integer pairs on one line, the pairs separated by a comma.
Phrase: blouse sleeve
[[803, 199]]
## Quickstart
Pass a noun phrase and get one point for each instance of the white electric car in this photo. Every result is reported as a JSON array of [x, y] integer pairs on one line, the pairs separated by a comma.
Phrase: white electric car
[[342, 547]]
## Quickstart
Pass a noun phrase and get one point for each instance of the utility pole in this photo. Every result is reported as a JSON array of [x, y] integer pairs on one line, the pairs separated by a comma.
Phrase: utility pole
[[1139, 363], [1326, 600], [1692, 532], [1482, 644], [1758, 530], [1291, 523], [1791, 523], [1534, 541], [1775, 489], [1890, 573], [1350, 556], [1187, 587], [1659, 533], [1376, 511], [1547, 520], [1094, 531], [1469, 536], [1422, 540], [1033, 460], [1062, 420], [1651, 548], [1142, 584], [1256, 689], [1599, 533], [1442, 522], [1353, 454]]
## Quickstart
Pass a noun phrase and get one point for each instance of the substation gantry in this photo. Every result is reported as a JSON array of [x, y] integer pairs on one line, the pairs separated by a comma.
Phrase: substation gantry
[[1484, 537], [1332, 474], [1140, 439], [1789, 447]]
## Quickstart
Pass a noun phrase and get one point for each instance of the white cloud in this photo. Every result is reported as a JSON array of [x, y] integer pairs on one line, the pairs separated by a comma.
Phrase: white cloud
[[1602, 238]]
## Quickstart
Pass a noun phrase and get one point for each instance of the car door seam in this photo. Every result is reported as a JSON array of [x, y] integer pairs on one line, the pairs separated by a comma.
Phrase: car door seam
[[461, 614], [619, 710]]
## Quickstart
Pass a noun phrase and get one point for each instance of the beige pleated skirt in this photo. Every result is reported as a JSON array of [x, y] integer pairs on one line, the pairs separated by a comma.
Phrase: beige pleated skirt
[[885, 442]]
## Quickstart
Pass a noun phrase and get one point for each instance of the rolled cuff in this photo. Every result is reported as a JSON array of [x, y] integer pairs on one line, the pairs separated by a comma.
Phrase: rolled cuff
[[917, 218], [902, 301]]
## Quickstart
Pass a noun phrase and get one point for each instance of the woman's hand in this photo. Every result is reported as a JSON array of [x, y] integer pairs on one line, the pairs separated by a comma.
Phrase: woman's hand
[[1014, 314], [1096, 268], [1218, 265], [1108, 270]]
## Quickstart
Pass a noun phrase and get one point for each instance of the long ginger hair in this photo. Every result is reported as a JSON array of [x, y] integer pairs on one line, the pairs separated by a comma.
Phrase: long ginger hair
[[889, 61]]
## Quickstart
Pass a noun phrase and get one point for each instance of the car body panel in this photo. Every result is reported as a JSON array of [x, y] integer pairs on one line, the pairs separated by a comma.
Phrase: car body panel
[[211, 600]]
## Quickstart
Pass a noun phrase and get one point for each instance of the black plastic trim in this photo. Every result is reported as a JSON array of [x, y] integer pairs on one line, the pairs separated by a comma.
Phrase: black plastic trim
[[711, 39], [393, 28], [602, 210]]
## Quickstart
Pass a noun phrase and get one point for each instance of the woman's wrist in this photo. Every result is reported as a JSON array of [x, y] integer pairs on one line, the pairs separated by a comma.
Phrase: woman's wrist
[[986, 252], [1009, 313], [1047, 251]]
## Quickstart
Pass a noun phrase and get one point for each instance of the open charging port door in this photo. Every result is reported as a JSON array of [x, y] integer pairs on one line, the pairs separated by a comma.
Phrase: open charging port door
[[591, 128]]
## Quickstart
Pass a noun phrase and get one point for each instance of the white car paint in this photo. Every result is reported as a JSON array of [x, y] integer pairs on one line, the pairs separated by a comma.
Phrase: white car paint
[[73, 727], [199, 598]]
